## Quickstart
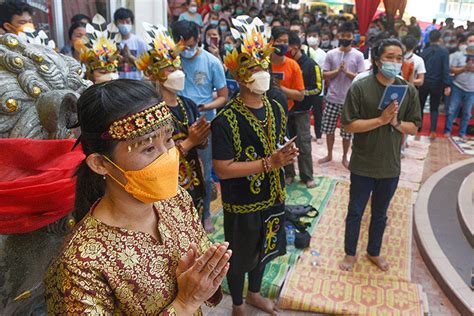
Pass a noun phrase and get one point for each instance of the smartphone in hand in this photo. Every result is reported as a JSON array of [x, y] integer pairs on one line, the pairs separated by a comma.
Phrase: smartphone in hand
[[288, 143]]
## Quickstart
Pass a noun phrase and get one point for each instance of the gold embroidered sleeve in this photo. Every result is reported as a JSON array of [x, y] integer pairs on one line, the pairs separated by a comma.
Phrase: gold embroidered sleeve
[[76, 290]]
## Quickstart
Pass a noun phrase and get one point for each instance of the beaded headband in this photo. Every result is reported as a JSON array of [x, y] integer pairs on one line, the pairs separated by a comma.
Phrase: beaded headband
[[162, 52], [255, 49], [139, 124], [99, 48]]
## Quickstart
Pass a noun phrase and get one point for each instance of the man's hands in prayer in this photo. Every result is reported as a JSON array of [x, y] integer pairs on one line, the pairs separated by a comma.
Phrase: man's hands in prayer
[[389, 114]]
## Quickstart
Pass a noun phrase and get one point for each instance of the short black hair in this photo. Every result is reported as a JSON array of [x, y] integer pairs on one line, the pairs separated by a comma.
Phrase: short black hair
[[185, 30], [410, 42], [122, 14], [276, 19], [346, 27], [279, 31], [11, 8], [294, 39], [74, 26], [79, 17], [313, 29], [296, 21], [434, 36], [379, 49], [461, 38]]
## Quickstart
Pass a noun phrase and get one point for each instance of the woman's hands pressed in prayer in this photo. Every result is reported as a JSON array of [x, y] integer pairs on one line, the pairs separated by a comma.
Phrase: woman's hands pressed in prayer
[[200, 277]]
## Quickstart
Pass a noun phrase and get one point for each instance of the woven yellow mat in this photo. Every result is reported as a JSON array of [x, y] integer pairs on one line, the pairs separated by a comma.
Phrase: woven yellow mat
[[317, 285]]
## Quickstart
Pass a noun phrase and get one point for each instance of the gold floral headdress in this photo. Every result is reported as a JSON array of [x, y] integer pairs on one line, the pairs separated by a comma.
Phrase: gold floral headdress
[[99, 49], [255, 49], [139, 124], [162, 53]]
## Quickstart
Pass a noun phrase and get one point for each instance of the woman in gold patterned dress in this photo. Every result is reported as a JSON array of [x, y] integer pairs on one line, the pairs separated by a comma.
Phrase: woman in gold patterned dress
[[138, 248]]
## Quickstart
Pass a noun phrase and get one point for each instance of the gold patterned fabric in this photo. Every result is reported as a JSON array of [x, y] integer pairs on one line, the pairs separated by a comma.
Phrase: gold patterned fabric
[[104, 270]]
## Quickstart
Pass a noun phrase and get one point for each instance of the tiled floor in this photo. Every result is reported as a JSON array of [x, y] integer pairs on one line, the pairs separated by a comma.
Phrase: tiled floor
[[441, 154]]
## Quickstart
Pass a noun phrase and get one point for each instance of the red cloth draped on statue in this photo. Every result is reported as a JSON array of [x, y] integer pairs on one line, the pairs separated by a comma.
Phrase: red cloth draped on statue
[[36, 182], [365, 12]]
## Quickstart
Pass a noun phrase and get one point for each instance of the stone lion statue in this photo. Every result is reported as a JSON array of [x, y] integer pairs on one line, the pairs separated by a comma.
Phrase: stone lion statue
[[38, 93]]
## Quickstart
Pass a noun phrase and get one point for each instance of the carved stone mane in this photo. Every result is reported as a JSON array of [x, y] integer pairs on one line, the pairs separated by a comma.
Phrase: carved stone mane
[[38, 87], [38, 93]]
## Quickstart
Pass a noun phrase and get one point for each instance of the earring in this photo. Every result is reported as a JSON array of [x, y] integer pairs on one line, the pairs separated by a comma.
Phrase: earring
[[103, 177]]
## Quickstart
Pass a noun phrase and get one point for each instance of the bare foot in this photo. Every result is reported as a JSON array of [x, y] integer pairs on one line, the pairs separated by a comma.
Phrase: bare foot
[[238, 310], [319, 141], [432, 135], [325, 160], [310, 184], [379, 262], [208, 226], [345, 162], [289, 180], [447, 135], [260, 302], [347, 263]]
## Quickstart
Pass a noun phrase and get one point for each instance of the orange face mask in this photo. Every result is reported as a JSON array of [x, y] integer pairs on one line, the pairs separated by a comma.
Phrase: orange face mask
[[157, 181]]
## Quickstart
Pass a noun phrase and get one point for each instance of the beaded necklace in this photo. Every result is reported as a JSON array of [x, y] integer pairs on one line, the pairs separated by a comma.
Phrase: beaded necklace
[[182, 109]]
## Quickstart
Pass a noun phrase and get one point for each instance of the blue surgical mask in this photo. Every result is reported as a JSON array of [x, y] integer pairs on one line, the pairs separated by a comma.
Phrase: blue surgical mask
[[189, 53], [124, 29], [390, 69], [214, 22], [223, 28], [193, 9], [228, 47]]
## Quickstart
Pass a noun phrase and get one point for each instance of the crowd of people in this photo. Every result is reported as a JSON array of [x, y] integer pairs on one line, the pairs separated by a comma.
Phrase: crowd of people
[[227, 94]]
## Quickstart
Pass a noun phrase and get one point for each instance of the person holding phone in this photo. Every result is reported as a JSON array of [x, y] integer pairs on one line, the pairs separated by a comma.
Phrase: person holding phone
[[286, 71], [249, 162], [375, 160], [162, 64], [212, 40], [205, 84]]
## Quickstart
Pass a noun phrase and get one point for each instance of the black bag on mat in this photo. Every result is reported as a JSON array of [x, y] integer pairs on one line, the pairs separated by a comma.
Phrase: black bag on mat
[[302, 240]]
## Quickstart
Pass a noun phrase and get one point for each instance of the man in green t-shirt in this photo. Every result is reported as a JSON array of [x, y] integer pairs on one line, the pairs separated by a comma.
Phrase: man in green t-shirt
[[375, 160]]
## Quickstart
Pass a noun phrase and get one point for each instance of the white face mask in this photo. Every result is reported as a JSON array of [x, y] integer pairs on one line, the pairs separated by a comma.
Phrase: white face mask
[[175, 81], [261, 82], [462, 48], [107, 77], [312, 41]]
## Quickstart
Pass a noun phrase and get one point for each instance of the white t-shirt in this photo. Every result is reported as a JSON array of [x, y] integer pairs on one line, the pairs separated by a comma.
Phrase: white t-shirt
[[419, 64]]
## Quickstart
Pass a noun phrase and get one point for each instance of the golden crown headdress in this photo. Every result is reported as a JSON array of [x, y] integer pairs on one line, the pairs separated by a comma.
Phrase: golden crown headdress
[[36, 37], [255, 48], [162, 52], [99, 49]]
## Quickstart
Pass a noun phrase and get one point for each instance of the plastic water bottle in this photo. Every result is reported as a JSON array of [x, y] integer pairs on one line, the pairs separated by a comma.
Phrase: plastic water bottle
[[290, 236]]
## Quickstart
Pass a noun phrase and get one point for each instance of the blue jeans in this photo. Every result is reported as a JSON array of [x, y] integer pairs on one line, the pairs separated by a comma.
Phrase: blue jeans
[[206, 157], [382, 192], [459, 98]]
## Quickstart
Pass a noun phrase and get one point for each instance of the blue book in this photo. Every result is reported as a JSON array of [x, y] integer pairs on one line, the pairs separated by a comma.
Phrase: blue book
[[393, 92], [232, 85]]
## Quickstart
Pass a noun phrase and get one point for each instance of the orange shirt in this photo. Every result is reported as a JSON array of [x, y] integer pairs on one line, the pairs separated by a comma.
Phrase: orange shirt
[[293, 77]]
